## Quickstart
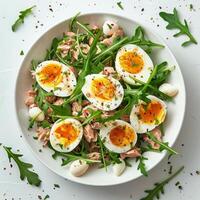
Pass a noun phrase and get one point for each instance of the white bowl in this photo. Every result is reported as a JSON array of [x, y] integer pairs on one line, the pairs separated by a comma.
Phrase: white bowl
[[99, 177]]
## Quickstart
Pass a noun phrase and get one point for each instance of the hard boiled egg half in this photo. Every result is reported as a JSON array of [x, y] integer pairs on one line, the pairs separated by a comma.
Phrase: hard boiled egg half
[[105, 93], [56, 77], [66, 134], [145, 117], [133, 61], [118, 136]]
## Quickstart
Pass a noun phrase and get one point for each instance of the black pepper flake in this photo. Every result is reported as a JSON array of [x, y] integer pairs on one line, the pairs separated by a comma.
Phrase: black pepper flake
[[197, 172], [51, 9], [39, 197], [180, 187], [142, 9], [56, 186]]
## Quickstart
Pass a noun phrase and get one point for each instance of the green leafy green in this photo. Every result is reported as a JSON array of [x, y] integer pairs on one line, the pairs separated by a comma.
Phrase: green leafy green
[[163, 145], [118, 113], [23, 14], [72, 156], [93, 115], [159, 187], [139, 39], [61, 110], [85, 71], [175, 23], [120, 5], [102, 152], [141, 165], [32, 177]]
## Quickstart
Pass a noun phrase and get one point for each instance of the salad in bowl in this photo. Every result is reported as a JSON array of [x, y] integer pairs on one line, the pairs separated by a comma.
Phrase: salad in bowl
[[98, 98]]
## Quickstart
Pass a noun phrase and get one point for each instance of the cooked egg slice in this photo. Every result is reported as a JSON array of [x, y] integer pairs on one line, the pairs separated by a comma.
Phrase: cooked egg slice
[[66, 134], [105, 93], [133, 61], [56, 77], [118, 136], [145, 117]]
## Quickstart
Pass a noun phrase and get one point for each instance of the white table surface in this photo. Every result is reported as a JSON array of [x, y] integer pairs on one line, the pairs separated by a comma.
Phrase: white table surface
[[189, 59]]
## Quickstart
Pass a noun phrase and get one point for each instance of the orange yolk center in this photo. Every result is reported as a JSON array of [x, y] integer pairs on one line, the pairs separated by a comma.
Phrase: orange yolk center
[[131, 62], [122, 136], [103, 88], [66, 133], [151, 112], [51, 75]]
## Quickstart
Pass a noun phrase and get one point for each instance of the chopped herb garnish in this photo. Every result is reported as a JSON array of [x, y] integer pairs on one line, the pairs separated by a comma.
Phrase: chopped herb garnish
[[21, 53], [175, 23], [46, 197], [120, 5], [32, 177], [20, 20]]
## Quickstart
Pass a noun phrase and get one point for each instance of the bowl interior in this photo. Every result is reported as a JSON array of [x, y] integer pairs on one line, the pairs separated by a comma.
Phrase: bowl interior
[[99, 176]]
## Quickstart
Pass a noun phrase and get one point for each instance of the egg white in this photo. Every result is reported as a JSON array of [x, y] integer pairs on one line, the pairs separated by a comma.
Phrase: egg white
[[103, 104], [65, 87], [144, 74], [104, 135], [55, 143], [140, 126]]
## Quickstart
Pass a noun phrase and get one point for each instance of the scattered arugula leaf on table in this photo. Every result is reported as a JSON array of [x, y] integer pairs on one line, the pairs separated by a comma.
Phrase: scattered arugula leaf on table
[[175, 23], [23, 14], [159, 187], [32, 177]]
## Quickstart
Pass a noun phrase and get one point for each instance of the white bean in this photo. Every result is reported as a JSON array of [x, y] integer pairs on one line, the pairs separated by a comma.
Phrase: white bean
[[78, 167], [109, 27], [118, 168], [36, 113], [168, 89]]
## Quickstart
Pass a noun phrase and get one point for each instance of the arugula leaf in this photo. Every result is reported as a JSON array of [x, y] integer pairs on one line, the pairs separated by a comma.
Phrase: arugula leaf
[[120, 5], [159, 187], [175, 23], [114, 46], [102, 152], [141, 165], [118, 113], [163, 145], [93, 115], [69, 157], [52, 52], [20, 20], [32, 177], [139, 39], [85, 71], [72, 22], [61, 110]]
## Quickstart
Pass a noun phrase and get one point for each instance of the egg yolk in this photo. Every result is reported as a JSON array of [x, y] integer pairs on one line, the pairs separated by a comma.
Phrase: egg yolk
[[151, 113], [51, 75], [122, 136], [103, 89], [66, 133], [131, 62]]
